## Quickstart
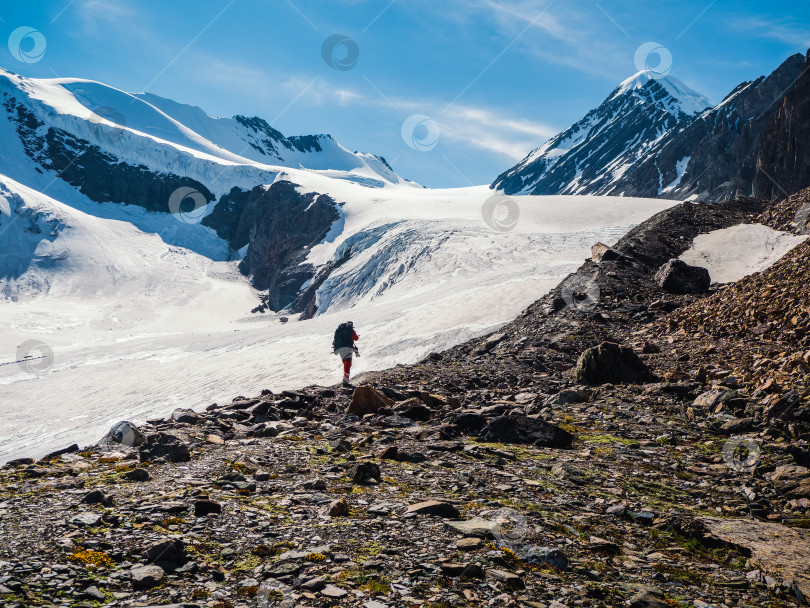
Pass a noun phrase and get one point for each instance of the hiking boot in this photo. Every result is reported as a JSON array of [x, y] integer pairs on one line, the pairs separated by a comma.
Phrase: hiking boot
[[347, 384]]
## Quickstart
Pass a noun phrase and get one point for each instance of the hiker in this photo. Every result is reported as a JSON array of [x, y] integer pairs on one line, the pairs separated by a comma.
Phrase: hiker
[[343, 346]]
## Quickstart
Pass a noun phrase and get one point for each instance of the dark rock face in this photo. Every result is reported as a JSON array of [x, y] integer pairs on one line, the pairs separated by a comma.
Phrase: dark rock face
[[279, 225], [611, 363], [783, 166], [97, 174], [527, 430], [676, 276]]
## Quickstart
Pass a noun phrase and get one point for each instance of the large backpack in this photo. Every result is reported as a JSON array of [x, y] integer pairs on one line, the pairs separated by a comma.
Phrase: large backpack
[[344, 336]]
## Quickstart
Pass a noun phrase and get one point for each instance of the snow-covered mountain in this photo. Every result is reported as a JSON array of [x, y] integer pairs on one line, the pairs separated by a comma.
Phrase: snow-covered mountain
[[591, 155], [718, 156], [659, 138]]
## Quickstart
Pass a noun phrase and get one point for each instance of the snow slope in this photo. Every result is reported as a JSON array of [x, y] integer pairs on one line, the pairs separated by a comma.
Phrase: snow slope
[[733, 253], [169, 327]]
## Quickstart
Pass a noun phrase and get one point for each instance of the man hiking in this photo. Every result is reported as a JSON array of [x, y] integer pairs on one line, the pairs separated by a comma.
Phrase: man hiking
[[343, 345]]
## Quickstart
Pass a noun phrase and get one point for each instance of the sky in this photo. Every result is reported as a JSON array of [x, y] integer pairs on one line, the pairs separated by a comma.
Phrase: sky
[[450, 92]]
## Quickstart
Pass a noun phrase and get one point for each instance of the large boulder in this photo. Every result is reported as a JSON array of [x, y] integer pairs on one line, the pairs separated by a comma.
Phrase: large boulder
[[164, 446], [676, 276], [168, 554], [611, 363], [367, 400], [528, 430], [123, 434], [602, 253]]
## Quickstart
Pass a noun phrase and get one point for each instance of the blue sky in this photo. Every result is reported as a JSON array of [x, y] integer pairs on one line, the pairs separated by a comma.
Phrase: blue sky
[[497, 78]]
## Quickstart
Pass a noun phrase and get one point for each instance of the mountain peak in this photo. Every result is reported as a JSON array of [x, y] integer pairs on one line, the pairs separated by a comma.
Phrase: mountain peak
[[688, 100]]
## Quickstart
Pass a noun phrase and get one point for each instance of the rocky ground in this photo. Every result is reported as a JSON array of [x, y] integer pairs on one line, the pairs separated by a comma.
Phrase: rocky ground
[[536, 467]]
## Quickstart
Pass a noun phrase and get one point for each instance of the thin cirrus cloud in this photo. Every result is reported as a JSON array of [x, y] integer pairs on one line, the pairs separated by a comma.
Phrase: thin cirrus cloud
[[96, 16], [782, 30], [578, 37], [474, 126]]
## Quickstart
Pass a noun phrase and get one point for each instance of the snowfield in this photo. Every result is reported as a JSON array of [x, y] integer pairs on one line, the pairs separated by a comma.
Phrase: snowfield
[[733, 253], [145, 313]]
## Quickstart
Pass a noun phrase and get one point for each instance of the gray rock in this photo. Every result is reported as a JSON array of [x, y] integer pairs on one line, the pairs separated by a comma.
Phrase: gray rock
[[138, 475], [611, 363], [714, 397], [477, 526], [676, 276], [123, 434], [95, 593], [511, 581], [185, 415], [526, 430], [146, 577], [436, 508], [364, 472], [601, 252], [206, 507], [86, 519], [96, 497], [164, 446], [170, 551], [334, 592], [547, 555]]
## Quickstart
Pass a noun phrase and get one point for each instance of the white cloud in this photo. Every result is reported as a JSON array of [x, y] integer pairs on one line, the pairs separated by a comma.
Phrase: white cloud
[[490, 130], [782, 30], [98, 15]]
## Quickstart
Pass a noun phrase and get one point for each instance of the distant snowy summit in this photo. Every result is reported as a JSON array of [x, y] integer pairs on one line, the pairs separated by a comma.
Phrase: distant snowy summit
[[592, 153], [657, 137]]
